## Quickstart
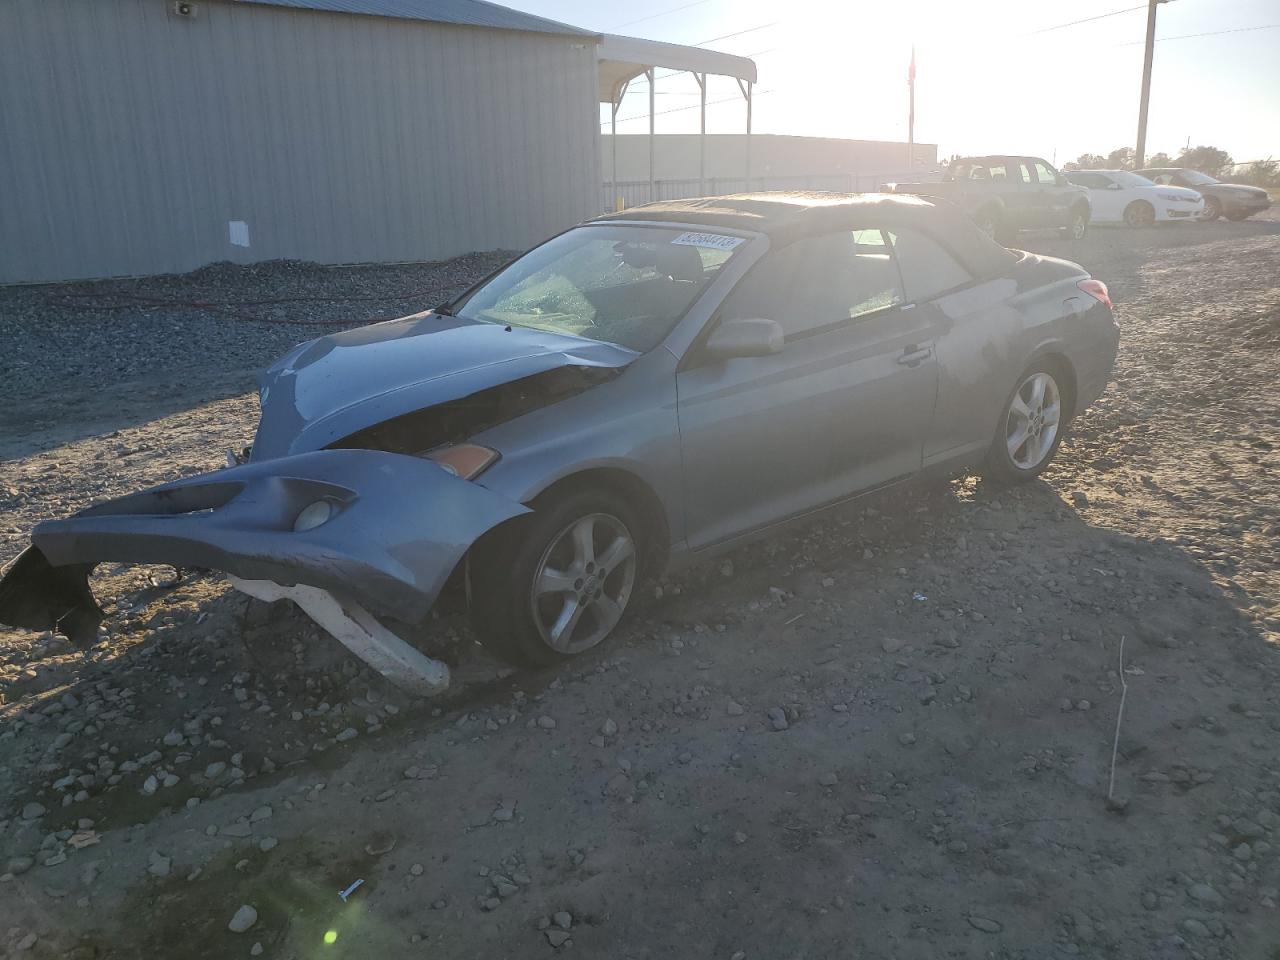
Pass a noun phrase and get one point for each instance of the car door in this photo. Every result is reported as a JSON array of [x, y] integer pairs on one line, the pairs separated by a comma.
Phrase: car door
[[1050, 204], [842, 408], [1004, 184], [1024, 201], [1106, 197]]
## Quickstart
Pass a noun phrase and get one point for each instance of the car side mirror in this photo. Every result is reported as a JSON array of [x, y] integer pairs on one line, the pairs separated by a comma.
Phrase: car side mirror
[[754, 337]]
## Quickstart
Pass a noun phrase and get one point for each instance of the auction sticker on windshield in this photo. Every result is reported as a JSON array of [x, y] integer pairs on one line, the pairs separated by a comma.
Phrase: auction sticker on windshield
[[713, 241]]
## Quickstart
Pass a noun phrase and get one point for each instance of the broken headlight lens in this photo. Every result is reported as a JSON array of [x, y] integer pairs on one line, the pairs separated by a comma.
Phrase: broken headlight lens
[[465, 460], [313, 515]]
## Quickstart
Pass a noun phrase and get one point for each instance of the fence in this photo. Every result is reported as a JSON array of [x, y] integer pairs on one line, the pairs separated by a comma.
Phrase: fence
[[635, 192]]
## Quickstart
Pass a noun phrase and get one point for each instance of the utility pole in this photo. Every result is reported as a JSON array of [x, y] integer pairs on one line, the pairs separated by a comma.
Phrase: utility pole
[[911, 112], [1140, 152]]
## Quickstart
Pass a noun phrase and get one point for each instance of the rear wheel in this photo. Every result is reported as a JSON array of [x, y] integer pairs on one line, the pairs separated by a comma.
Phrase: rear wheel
[[556, 584], [1139, 214], [1030, 429], [1212, 208]]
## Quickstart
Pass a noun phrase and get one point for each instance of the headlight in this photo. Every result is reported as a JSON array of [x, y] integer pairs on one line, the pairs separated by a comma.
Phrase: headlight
[[465, 460], [313, 515]]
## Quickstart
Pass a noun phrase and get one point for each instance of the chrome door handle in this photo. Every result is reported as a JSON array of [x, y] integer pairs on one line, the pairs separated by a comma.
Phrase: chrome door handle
[[913, 355]]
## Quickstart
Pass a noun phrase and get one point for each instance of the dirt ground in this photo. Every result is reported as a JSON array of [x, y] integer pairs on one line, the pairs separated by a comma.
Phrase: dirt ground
[[885, 734]]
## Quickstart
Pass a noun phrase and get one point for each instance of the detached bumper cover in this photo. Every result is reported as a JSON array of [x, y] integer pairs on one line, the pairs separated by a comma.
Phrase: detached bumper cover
[[399, 527]]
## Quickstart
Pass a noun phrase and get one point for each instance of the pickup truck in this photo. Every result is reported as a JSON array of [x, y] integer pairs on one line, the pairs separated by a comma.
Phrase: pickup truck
[[1005, 194]]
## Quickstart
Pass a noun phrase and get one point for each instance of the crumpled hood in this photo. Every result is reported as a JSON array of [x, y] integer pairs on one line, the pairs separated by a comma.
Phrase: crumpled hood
[[334, 386]]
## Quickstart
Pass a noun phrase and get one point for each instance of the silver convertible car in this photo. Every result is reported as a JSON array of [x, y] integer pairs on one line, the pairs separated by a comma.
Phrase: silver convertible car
[[640, 390]]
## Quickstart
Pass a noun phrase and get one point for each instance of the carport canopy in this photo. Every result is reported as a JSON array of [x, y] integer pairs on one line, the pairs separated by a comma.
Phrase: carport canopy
[[621, 59]]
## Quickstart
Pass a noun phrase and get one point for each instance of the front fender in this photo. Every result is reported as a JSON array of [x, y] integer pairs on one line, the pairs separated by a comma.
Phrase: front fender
[[399, 526]]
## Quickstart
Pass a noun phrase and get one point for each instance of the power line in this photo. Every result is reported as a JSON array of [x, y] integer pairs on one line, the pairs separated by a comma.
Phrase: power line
[[1211, 33], [642, 80], [1073, 23], [692, 106], [738, 33], [664, 13]]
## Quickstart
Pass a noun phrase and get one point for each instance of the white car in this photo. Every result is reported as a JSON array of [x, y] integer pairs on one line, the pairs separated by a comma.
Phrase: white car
[[1120, 196]]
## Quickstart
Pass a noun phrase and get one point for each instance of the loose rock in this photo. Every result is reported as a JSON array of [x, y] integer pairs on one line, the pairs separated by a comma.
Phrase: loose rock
[[243, 919]]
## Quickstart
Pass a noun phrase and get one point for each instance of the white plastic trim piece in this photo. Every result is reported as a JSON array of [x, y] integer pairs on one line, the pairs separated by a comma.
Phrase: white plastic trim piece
[[360, 632]]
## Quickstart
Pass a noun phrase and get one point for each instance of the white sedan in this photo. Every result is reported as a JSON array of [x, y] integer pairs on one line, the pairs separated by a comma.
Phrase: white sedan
[[1119, 196]]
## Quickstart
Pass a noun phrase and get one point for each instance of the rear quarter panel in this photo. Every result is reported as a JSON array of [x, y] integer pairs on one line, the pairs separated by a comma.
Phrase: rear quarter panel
[[994, 331]]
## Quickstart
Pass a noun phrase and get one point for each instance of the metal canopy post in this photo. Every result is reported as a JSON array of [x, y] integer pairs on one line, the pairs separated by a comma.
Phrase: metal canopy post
[[649, 74], [618, 94], [702, 136], [621, 59], [745, 87]]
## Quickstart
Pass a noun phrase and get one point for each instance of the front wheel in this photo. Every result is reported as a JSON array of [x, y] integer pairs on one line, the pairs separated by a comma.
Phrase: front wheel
[[1239, 215], [1077, 226], [1030, 429], [1139, 214], [555, 584], [1212, 209]]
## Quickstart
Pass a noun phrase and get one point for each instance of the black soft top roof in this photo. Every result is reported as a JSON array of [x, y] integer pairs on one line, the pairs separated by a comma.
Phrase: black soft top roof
[[787, 217]]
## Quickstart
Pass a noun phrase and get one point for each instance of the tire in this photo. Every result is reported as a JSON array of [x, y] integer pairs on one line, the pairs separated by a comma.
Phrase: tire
[[1077, 226], [1238, 216], [1011, 461], [992, 224], [1212, 209], [537, 596], [1139, 214]]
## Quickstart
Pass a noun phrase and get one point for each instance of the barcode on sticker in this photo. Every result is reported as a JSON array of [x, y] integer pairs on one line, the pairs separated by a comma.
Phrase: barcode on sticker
[[713, 241]]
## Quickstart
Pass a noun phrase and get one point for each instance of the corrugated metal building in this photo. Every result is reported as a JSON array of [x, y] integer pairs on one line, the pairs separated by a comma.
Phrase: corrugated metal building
[[140, 140]]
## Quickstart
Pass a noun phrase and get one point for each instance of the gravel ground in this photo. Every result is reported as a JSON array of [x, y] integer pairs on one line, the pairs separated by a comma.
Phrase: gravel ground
[[783, 755], [78, 354]]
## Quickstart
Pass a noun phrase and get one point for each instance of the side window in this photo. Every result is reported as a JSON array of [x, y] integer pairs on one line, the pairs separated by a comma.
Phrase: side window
[[1044, 175], [928, 268], [873, 282], [820, 281], [978, 172], [1094, 181], [998, 173], [1025, 175]]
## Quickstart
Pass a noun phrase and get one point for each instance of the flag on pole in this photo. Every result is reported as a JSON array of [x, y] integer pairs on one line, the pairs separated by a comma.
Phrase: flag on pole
[[911, 70]]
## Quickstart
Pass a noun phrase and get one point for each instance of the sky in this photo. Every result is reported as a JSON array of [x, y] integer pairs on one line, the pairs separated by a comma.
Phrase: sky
[[991, 75]]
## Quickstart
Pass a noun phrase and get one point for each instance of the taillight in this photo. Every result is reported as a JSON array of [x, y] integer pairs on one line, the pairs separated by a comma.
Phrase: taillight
[[1096, 289]]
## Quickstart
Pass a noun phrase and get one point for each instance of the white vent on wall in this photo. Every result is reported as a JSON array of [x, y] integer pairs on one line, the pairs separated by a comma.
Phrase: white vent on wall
[[238, 233]]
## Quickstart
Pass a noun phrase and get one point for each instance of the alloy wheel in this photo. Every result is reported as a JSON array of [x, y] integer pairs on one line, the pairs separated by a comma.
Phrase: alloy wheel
[[1139, 215], [1032, 424], [583, 582]]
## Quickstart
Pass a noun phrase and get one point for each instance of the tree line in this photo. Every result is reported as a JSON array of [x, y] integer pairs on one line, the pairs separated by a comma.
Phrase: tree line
[[1209, 160]]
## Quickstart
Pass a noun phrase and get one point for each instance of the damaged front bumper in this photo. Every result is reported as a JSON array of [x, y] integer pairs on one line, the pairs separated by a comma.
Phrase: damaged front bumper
[[392, 531]]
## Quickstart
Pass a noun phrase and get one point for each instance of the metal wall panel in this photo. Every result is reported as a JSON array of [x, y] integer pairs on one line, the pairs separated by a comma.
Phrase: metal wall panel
[[130, 137]]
